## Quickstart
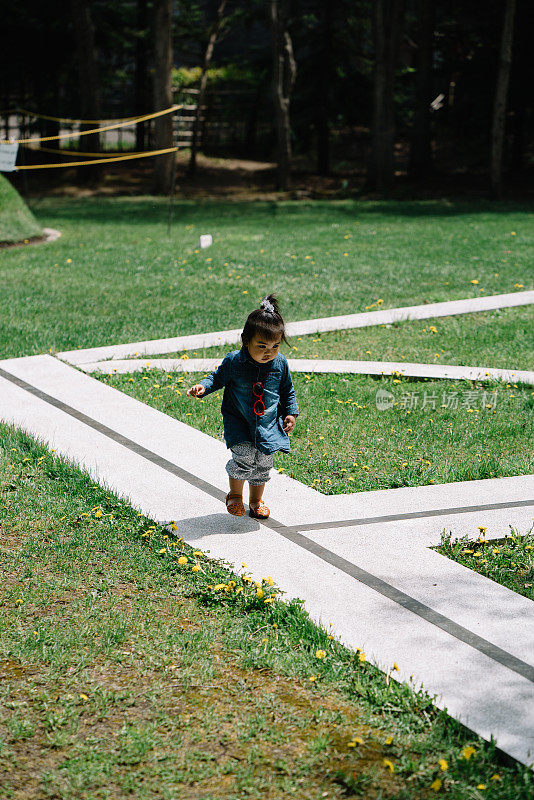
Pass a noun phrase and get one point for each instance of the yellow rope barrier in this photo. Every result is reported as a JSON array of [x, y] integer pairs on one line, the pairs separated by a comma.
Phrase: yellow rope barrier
[[100, 160], [97, 130], [66, 119], [76, 153]]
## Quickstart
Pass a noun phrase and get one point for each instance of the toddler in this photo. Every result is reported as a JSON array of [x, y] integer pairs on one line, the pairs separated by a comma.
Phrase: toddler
[[259, 406]]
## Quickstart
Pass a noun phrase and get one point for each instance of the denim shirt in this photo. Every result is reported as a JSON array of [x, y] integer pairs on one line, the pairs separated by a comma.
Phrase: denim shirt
[[237, 373]]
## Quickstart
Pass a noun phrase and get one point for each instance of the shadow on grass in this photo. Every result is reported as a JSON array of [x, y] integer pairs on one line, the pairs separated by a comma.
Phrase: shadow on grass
[[154, 209]]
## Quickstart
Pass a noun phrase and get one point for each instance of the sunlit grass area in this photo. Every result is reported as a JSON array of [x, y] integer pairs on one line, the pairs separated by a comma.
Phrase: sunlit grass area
[[116, 276], [509, 561], [501, 338], [133, 663], [434, 431]]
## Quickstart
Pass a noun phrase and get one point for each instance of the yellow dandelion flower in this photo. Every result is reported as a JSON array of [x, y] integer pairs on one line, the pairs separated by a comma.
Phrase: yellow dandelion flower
[[389, 740], [495, 777], [320, 653], [361, 656], [182, 560], [481, 785], [84, 697], [474, 281], [163, 550], [436, 785], [220, 586], [195, 568], [259, 592], [443, 765], [467, 752], [312, 678], [389, 764]]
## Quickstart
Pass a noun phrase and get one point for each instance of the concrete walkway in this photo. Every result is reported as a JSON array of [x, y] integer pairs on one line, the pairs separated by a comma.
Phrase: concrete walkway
[[361, 561], [320, 365], [301, 328]]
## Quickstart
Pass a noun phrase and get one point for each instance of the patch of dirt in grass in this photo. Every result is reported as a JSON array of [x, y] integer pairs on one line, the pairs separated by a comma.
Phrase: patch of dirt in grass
[[213, 728], [10, 539], [273, 728]]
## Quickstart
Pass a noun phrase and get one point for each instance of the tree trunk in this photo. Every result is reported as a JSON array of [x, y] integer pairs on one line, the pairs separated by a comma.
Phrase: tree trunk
[[202, 86], [89, 83], [501, 93], [421, 144], [162, 89], [387, 22], [284, 74], [142, 84], [322, 106]]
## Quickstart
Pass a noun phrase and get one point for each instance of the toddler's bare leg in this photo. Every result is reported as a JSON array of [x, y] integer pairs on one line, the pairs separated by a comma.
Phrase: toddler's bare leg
[[256, 493], [236, 487]]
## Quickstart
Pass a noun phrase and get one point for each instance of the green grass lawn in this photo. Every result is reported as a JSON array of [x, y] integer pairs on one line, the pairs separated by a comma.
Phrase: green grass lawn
[[16, 220], [342, 443], [115, 275], [501, 338], [129, 672], [134, 664], [507, 561]]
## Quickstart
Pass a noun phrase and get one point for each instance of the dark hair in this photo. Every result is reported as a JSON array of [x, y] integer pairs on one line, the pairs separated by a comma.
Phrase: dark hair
[[264, 322]]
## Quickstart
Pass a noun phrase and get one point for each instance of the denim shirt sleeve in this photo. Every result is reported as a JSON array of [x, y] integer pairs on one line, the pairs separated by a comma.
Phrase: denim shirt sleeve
[[288, 399], [219, 378]]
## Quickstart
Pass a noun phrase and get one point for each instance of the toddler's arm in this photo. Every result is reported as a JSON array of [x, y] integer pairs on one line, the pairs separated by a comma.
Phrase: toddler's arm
[[214, 381], [288, 399]]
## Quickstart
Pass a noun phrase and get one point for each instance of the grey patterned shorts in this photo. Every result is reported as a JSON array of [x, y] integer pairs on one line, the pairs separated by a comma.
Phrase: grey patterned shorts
[[249, 464]]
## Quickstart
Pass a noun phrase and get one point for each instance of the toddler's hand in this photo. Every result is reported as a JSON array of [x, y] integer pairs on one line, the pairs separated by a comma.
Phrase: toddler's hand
[[289, 423], [197, 390]]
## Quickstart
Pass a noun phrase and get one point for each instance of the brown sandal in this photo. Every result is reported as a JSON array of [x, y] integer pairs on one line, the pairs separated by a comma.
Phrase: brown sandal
[[262, 512], [235, 506]]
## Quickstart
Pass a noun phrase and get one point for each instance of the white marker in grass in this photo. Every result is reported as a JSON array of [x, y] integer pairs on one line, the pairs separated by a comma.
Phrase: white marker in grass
[[206, 240]]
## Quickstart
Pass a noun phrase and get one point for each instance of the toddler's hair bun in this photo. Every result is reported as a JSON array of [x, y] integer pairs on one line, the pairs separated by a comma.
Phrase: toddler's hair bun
[[267, 306]]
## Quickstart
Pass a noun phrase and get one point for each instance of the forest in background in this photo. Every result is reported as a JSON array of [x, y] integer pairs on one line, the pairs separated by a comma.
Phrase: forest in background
[[416, 87]]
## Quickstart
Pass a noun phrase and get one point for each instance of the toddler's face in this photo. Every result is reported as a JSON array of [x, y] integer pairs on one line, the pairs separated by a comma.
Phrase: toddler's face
[[261, 350]]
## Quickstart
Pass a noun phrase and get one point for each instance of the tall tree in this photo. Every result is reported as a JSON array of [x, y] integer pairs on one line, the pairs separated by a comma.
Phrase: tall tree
[[421, 145], [284, 75], [215, 28], [142, 90], [162, 94], [387, 25], [323, 105], [87, 63], [501, 95]]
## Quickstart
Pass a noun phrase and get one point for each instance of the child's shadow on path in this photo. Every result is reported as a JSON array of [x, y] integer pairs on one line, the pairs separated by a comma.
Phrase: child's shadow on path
[[199, 527]]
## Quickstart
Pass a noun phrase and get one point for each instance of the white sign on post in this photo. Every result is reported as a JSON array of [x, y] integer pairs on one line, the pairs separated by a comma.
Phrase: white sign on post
[[8, 156]]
